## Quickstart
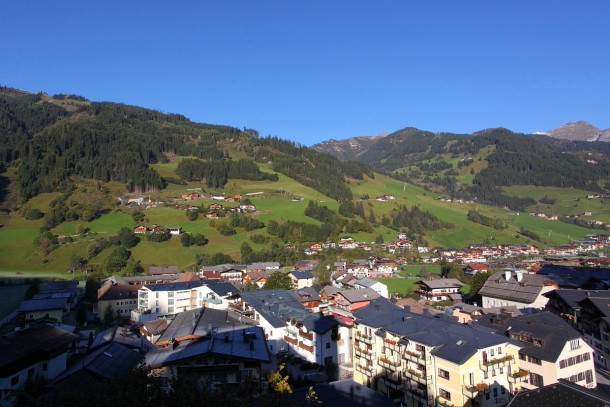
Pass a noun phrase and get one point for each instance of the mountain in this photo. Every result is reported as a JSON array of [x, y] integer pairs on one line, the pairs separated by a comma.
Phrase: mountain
[[579, 131], [349, 148]]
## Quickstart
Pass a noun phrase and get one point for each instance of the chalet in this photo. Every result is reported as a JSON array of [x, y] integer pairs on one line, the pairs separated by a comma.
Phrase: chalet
[[174, 230], [473, 268], [247, 208], [218, 197], [308, 297], [351, 300], [516, 287], [37, 309], [443, 289], [141, 230], [301, 278]]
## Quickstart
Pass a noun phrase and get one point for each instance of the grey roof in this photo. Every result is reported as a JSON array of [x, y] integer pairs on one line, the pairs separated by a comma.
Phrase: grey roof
[[562, 393], [141, 279], [275, 305], [342, 393], [525, 291], [572, 297], [118, 292], [574, 277], [156, 270], [442, 283], [43, 304], [602, 304], [366, 282], [184, 285], [362, 294], [302, 274], [319, 323], [550, 329], [305, 294], [120, 335], [109, 361], [201, 321], [450, 340], [231, 342], [222, 288], [379, 312]]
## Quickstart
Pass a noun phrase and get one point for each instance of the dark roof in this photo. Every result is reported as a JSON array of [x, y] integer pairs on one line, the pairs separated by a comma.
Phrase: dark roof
[[156, 270], [107, 362], [360, 294], [43, 304], [342, 393], [275, 305], [450, 340], [305, 294], [550, 329], [119, 292], [222, 288], [23, 348], [200, 322], [302, 275], [525, 291], [562, 393], [442, 283], [573, 276], [573, 297], [184, 285], [319, 323], [379, 312]]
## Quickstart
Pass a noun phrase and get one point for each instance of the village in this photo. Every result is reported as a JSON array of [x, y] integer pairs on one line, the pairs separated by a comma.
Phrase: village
[[542, 322]]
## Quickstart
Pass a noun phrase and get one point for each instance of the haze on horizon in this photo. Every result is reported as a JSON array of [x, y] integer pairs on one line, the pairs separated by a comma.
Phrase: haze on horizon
[[317, 70]]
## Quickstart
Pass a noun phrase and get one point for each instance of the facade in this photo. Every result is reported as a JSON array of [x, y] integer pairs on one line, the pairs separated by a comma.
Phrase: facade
[[518, 288], [426, 361], [163, 299], [39, 351], [121, 299], [443, 289], [550, 349], [378, 286], [301, 278]]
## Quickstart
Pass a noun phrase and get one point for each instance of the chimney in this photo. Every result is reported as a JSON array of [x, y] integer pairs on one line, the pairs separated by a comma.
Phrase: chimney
[[507, 274], [519, 275]]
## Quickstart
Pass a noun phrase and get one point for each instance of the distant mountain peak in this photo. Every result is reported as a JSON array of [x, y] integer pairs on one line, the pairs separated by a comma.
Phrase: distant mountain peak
[[349, 148], [577, 131]]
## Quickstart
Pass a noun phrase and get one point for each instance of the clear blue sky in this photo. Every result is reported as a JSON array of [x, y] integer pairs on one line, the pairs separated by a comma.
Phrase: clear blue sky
[[322, 69]]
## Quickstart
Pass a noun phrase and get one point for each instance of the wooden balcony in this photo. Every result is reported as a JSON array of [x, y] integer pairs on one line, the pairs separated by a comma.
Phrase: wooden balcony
[[308, 348], [293, 341], [308, 335]]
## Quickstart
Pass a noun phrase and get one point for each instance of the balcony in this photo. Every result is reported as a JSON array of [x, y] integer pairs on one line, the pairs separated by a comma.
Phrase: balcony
[[391, 383], [472, 390], [308, 348], [364, 353], [440, 401], [391, 345], [365, 370], [293, 341], [413, 356], [360, 337], [519, 376], [388, 364], [420, 396], [492, 364], [308, 335], [416, 376]]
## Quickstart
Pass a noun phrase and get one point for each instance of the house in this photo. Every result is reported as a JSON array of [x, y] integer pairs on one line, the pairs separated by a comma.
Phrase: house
[[308, 297], [140, 230], [518, 288], [351, 300], [550, 349], [163, 299], [378, 286], [209, 354], [39, 351], [162, 270], [216, 294], [174, 230], [122, 335], [424, 360], [301, 278], [473, 268], [442, 289], [120, 299], [37, 309]]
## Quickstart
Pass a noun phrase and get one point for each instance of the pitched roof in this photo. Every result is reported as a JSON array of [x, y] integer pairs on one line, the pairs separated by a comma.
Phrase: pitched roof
[[525, 291], [156, 270], [116, 292], [379, 312], [367, 282], [274, 305], [442, 283], [562, 393], [362, 294], [174, 286], [547, 330], [302, 274], [319, 323], [43, 304], [573, 276], [222, 288]]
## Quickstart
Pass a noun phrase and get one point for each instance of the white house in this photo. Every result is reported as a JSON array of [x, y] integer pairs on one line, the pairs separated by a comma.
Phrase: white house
[[378, 286]]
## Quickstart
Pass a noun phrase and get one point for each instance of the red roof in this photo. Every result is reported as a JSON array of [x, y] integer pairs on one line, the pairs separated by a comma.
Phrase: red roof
[[478, 266]]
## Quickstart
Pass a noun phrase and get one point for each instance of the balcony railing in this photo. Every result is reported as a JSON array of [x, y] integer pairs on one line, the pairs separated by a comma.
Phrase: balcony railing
[[413, 356], [518, 376], [308, 348], [290, 340], [472, 390], [443, 402], [307, 335], [365, 354], [417, 376], [497, 363], [360, 337], [365, 370], [388, 364], [421, 396], [391, 383], [391, 345]]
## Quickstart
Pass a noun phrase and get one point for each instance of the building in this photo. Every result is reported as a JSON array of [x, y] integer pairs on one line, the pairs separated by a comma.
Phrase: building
[[39, 351], [301, 278], [162, 299], [423, 360], [518, 288], [378, 286], [442, 289], [120, 299], [550, 349], [350, 300], [562, 393]]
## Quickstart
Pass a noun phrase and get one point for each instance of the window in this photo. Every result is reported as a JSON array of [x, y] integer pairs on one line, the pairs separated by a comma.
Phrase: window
[[522, 356], [589, 376], [443, 373], [444, 394], [499, 350], [574, 344], [327, 345], [170, 302], [536, 380]]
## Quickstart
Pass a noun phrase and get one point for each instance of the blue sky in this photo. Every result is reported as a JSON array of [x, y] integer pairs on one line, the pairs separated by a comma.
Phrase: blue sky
[[322, 69]]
